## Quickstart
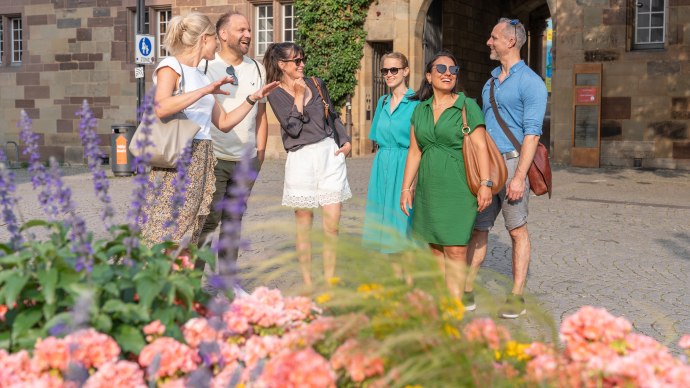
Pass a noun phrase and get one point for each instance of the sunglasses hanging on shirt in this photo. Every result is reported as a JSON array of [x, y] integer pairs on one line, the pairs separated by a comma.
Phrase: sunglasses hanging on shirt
[[231, 72]]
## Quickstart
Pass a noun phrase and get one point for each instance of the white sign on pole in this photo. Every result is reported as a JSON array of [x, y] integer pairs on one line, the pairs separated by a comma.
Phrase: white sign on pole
[[144, 53], [138, 72]]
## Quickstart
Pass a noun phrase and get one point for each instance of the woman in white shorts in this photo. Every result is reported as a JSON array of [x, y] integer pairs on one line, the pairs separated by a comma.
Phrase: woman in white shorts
[[315, 171]]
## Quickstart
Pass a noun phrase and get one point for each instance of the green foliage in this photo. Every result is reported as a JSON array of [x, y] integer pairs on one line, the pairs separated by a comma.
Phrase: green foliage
[[332, 35], [122, 293]]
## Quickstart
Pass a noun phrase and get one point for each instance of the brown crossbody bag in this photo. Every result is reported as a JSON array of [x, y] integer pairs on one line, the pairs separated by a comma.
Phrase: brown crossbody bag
[[539, 173]]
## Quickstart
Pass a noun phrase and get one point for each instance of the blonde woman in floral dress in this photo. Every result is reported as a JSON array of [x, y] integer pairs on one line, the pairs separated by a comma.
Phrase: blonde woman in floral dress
[[189, 39]]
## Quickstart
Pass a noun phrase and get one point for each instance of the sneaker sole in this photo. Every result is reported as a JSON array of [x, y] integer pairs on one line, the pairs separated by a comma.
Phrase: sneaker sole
[[513, 316], [471, 307]]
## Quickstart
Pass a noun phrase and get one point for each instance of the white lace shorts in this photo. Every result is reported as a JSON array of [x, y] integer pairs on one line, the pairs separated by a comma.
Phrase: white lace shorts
[[315, 176]]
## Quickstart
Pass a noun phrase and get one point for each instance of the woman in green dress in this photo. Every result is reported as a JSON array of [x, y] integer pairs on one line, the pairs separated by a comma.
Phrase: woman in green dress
[[444, 207]]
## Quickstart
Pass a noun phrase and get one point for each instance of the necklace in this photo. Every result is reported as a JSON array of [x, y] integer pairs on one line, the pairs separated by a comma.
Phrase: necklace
[[443, 104]]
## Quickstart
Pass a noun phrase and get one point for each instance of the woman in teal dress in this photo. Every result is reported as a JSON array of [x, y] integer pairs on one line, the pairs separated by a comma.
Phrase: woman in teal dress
[[444, 207], [385, 227]]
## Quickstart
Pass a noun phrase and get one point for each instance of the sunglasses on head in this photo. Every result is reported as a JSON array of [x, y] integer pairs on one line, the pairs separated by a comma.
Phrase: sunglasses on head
[[231, 72], [441, 68], [514, 23], [298, 61], [392, 70]]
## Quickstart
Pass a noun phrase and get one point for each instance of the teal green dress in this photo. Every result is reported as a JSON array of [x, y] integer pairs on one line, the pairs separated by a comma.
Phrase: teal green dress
[[444, 208], [386, 227]]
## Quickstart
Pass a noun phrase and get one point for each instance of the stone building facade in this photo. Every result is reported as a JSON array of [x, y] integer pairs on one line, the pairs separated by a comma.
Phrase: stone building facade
[[56, 53]]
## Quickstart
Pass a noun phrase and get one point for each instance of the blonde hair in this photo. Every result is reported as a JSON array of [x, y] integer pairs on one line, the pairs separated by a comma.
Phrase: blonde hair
[[403, 61], [185, 32]]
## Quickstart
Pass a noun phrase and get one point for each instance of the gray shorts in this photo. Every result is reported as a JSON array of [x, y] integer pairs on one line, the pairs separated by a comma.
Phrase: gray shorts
[[514, 212]]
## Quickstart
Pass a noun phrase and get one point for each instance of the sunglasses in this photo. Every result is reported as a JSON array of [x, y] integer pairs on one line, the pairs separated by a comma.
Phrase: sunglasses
[[441, 69], [298, 61], [514, 23], [231, 72], [392, 70]]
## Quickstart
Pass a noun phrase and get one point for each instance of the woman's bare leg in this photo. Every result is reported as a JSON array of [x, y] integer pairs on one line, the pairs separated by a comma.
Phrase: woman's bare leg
[[331, 222], [304, 219]]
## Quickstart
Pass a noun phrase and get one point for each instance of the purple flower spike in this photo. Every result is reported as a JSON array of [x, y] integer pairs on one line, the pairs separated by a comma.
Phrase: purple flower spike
[[136, 213], [8, 202], [93, 154], [180, 183], [30, 140], [235, 204]]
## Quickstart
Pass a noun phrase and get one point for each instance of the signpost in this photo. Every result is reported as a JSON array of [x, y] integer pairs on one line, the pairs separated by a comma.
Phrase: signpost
[[144, 48]]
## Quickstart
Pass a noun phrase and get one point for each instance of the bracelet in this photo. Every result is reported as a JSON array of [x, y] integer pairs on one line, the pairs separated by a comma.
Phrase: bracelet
[[250, 101]]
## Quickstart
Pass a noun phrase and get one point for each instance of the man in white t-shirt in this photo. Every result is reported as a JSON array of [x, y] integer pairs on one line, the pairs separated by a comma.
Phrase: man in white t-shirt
[[234, 35]]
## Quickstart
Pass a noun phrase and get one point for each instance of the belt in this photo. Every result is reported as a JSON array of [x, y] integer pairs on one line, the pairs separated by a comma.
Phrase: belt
[[510, 155]]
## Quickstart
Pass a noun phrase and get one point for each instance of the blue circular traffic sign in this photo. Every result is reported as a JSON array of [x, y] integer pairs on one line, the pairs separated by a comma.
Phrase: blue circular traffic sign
[[145, 46]]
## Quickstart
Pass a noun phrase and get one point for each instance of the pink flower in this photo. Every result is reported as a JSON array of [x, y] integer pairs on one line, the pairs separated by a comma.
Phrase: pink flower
[[684, 342], [359, 362], [154, 328], [91, 348], [300, 308], [51, 353], [3, 311], [422, 304], [117, 374], [197, 330], [16, 368], [224, 378], [235, 322], [258, 347], [300, 369], [593, 324], [484, 330], [174, 383], [309, 334], [174, 357]]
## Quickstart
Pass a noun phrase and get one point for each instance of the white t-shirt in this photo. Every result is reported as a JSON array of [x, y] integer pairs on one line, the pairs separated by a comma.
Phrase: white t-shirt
[[230, 146], [200, 111]]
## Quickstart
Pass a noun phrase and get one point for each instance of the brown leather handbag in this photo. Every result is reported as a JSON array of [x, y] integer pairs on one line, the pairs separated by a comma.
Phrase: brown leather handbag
[[539, 173], [470, 153]]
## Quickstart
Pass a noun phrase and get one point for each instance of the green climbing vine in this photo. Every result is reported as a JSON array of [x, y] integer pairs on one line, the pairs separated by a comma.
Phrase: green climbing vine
[[332, 35]]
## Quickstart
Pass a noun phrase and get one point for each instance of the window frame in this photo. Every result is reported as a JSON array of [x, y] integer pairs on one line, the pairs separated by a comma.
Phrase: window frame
[[161, 52], [270, 33], [636, 28], [2, 40], [283, 24]]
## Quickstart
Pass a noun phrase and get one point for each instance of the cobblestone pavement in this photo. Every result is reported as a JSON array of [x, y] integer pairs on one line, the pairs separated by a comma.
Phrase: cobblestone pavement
[[615, 238]]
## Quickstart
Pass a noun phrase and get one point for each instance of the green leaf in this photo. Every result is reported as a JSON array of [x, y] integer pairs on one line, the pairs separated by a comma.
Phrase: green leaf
[[129, 312], [26, 320], [49, 310], [147, 289], [102, 274], [48, 280], [35, 223], [129, 338], [13, 287], [102, 323], [59, 319]]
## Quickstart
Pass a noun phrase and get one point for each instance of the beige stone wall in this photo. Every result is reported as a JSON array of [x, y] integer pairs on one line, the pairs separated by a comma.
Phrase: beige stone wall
[[645, 94]]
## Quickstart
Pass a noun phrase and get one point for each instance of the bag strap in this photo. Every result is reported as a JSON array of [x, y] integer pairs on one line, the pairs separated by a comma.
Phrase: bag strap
[[501, 122], [325, 104], [181, 88], [259, 70], [465, 128]]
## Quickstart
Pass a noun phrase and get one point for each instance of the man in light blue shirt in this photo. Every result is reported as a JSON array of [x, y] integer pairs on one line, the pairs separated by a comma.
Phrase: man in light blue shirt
[[520, 96]]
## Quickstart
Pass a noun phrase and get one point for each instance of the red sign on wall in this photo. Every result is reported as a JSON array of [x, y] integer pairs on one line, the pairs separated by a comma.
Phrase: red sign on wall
[[586, 95]]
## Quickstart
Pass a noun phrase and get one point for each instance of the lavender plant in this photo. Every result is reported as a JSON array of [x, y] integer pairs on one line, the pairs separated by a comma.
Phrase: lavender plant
[[8, 202], [136, 215], [180, 183], [93, 154]]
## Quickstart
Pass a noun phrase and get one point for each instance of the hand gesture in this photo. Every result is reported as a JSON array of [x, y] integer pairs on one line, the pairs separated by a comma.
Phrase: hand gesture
[[265, 91], [214, 87], [345, 149], [406, 197], [484, 198], [299, 86]]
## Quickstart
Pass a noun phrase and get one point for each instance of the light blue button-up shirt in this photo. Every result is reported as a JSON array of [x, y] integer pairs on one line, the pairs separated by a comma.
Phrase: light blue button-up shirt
[[521, 100]]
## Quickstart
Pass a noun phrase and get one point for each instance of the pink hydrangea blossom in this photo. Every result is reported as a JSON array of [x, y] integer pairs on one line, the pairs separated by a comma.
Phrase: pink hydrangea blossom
[[15, 368], [258, 347], [684, 342], [485, 330], [174, 357], [198, 330], [155, 328], [117, 374], [51, 353], [91, 348], [298, 369], [224, 378], [359, 361]]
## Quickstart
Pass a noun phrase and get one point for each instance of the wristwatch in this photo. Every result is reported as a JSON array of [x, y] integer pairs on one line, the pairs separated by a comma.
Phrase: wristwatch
[[250, 101], [486, 182]]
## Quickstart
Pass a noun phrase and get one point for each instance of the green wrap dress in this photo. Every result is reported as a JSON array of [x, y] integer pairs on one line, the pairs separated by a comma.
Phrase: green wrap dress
[[444, 208]]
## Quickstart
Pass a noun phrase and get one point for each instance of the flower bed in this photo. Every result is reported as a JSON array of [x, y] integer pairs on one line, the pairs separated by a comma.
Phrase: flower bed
[[267, 340]]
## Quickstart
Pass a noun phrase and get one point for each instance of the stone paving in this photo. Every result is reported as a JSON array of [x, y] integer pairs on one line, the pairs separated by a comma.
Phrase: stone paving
[[615, 238]]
